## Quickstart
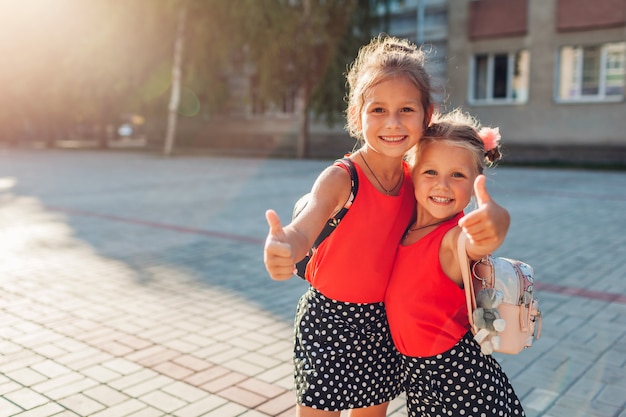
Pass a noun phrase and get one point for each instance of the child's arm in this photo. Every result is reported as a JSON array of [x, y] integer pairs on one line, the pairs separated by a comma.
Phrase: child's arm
[[285, 246]]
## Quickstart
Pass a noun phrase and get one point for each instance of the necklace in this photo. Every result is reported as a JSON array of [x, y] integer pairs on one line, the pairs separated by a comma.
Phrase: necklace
[[430, 225], [388, 192]]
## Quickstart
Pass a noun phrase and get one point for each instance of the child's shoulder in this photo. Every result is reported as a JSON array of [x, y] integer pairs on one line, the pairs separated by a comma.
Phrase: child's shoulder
[[333, 180], [451, 237]]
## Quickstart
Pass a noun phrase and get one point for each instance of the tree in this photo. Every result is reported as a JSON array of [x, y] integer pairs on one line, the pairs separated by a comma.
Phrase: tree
[[305, 46], [300, 46], [176, 80], [200, 29]]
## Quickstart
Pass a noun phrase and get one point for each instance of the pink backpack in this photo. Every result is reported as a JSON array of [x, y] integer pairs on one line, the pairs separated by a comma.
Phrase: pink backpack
[[516, 305]]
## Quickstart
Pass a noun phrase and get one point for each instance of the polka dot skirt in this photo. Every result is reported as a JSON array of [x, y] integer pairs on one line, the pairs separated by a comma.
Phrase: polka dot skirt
[[460, 382], [343, 354]]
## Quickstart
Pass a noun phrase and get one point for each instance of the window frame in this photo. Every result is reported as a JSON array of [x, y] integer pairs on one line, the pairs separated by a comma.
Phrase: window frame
[[510, 77], [579, 97]]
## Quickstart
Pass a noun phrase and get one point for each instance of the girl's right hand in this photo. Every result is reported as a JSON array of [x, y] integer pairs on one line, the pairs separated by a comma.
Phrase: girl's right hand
[[278, 254]]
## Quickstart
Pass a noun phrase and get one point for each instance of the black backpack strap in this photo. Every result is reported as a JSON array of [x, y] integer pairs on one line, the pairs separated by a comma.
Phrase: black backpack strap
[[333, 222]]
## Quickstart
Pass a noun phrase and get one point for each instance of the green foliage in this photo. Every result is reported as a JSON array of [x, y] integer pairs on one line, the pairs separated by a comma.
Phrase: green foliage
[[77, 61], [305, 44], [328, 100]]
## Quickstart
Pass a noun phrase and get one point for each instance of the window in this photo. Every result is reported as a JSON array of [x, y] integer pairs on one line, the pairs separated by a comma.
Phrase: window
[[499, 78], [592, 73]]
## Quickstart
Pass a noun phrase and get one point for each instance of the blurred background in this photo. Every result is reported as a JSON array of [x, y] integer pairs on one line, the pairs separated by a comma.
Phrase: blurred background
[[254, 78]]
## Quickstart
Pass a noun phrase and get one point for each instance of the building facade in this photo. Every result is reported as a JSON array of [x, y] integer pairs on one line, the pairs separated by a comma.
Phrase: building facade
[[550, 73]]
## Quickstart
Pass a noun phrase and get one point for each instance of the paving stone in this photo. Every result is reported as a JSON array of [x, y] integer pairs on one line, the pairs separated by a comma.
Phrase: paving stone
[[261, 388], [19, 361], [74, 387], [26, 376], [202, 406], [193, 363], [211, 350], [105, 395], [227, 410], [134, 342], [154, 355], [272, 375], [100, 373], [83, 357], [7, 408], [45, 410], [163, 401], [242, 396], [202, 377], [173, 370], [9, 386], [278, 404], [26, 398], [147, 412], [123, 409], [122, 366], [51, 351], [81, 404], [50, 368], [222, 382], [149, 385], [227, 355], [185, 391], [132, 379], [180, 345], [257, 358]]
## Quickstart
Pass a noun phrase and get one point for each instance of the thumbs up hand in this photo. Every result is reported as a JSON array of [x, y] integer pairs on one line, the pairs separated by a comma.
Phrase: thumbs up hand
[[277, 254], [486, 227]]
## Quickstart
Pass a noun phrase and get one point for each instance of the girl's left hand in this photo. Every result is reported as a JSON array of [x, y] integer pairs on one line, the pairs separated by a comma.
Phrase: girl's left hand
[[486, 227]]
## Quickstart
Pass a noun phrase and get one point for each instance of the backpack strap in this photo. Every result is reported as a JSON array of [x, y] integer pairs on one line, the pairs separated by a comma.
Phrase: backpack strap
[[468, 284], [333, 222]]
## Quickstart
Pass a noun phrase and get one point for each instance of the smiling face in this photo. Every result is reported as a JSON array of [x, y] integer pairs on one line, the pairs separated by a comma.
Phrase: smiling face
[[444, 178], [392, 117]]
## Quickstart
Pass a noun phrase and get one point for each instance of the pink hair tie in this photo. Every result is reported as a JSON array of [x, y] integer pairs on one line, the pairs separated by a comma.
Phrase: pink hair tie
[[490, 137]]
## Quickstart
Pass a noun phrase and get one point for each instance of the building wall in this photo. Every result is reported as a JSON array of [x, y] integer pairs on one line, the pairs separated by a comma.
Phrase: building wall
[[584, 14], [496, 18], [541, 120]]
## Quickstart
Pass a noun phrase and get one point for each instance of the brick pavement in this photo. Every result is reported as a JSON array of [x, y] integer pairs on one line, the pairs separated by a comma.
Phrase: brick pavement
[[133, 285]]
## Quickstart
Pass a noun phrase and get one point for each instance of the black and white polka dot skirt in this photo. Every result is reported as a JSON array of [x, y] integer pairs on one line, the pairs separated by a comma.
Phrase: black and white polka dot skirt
[[460, 382], [343, 354]]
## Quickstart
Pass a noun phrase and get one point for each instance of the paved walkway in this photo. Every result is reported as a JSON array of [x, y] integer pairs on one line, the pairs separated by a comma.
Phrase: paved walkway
[[133, 285]]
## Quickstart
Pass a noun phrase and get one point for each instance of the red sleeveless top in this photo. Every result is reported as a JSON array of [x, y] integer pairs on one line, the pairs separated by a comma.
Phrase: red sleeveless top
[[426, 310], [354, 263]]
